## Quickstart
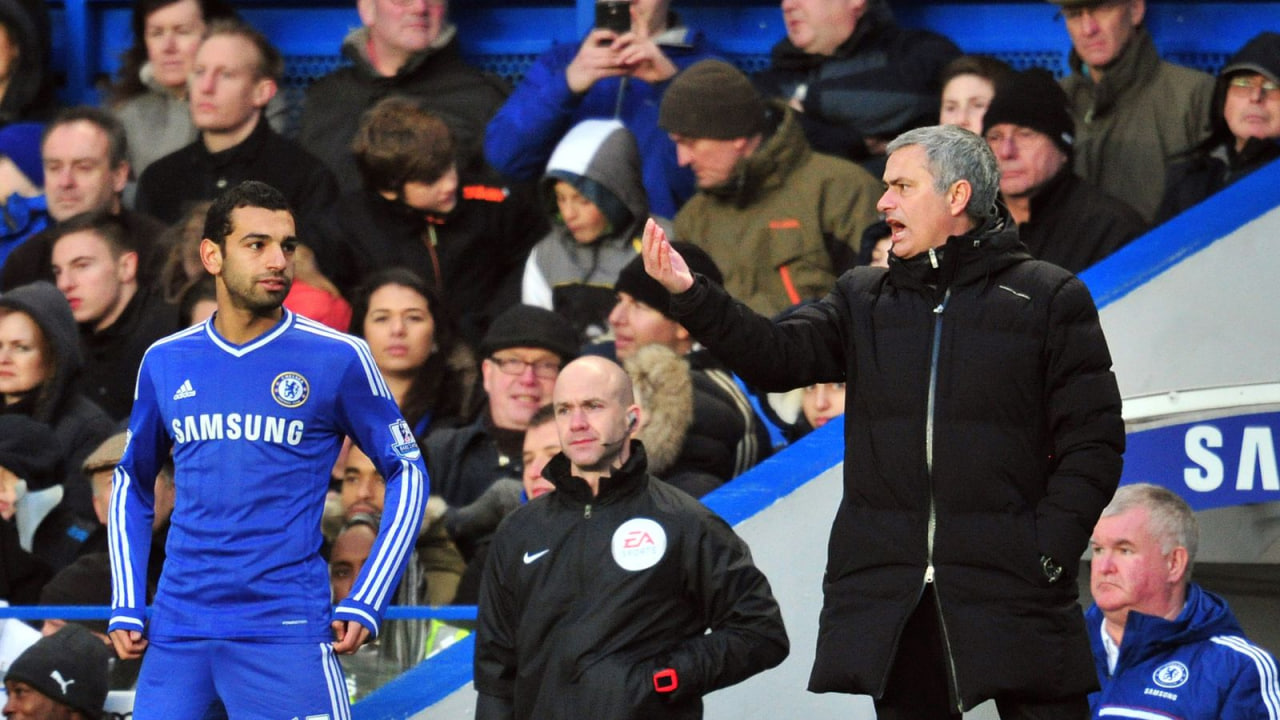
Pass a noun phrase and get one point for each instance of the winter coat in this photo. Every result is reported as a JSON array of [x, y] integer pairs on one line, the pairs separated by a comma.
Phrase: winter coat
[[585, 597], [1143, 113], [787, 223], [113, 354], [78, 424], [984, 431], [1074, 225], [464, 97], [880, 82], [600, 160], [700, 430], [472, 255], [192, 174], [1198, 666], [522, 135]]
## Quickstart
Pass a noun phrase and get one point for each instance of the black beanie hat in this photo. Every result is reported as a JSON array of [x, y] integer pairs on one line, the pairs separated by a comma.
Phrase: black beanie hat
[[69, 667], [712, 99], [30, 450], [1033, 99], [531, 326], [87, 581], [634, 281]]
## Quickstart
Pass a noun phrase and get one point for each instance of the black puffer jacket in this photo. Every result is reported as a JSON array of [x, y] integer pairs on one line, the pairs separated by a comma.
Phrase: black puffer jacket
[[1019, 455], [573, 624]]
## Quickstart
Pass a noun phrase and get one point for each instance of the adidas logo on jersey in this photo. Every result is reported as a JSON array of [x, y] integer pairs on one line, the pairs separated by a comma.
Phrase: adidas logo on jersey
[[185, 391]]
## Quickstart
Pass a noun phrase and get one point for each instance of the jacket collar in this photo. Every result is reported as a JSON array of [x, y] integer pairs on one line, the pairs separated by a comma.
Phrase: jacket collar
[[964, 259], [1138, 63], [781, 151], [632, 477], [355, 48], [786, 56]]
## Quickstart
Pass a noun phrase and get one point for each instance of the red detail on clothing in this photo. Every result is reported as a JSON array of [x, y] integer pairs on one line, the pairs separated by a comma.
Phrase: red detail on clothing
[[784, 224], [665, 680], [785, 273], [483, 192]]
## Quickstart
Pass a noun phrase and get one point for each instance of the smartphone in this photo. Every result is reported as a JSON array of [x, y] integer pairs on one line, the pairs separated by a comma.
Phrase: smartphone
[[614, 15]]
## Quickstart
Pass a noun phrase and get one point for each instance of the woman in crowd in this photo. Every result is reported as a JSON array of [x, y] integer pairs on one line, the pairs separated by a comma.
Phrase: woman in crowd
[[26, 94], [1246, 128], [150, 94], [39, 363], [968, 84], [431, 372]]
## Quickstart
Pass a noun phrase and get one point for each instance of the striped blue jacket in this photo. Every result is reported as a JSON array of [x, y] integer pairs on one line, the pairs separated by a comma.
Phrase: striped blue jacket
[[1198, 665]]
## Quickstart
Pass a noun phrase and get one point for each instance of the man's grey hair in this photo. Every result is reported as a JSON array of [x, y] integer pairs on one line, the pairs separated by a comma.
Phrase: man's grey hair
[[952, 154], [1169, 517]]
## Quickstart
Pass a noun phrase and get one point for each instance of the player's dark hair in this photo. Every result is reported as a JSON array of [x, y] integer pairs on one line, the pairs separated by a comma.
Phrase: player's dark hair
[[250, 193]]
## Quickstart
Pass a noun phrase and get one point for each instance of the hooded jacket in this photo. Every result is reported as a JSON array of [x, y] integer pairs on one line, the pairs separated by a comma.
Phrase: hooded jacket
[[984, 431], [1143, 113], [1215, 163], [523, 134], [599, 159], [1198, 665], [788, 221], [879, 83], [574, 624], [78, 424], [464, 97], [29, 95]]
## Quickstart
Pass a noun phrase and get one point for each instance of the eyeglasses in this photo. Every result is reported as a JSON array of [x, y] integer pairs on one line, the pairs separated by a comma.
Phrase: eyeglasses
[[545, 369], [1253, 83]]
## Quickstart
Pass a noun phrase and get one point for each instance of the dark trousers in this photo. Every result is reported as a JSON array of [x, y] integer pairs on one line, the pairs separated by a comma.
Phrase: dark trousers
[[917, 688]]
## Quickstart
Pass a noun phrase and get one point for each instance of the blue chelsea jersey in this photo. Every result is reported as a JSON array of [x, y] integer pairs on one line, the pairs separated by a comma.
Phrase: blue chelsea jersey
[[255, 430]]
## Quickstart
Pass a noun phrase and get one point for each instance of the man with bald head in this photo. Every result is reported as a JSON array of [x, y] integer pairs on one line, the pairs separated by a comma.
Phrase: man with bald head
[[629, 638]]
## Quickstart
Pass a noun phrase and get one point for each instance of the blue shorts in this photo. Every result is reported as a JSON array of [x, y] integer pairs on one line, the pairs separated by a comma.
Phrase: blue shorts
[[180, 680]]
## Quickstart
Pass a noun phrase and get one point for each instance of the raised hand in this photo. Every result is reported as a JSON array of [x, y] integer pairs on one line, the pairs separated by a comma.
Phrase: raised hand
[[662, 262], [643, 59], [596, 59]]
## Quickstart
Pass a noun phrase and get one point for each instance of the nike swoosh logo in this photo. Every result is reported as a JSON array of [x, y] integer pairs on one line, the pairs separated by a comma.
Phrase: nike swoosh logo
[[531, 558]]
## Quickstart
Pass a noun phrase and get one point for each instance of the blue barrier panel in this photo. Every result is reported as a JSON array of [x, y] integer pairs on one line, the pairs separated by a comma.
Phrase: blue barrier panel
[[1137, 263]]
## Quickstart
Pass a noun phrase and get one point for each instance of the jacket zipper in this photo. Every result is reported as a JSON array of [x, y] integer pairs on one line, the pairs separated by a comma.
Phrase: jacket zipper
[[933, 500]]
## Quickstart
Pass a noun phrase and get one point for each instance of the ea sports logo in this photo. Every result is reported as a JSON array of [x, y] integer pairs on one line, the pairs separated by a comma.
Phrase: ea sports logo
[[638, 544]]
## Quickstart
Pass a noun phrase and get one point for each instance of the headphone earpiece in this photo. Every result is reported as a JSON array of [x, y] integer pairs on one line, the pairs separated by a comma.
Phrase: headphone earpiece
[[631, 422]]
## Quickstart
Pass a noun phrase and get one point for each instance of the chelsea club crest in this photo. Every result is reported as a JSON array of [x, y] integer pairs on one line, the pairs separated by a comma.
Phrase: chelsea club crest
[[1171, 675], [290, 389]]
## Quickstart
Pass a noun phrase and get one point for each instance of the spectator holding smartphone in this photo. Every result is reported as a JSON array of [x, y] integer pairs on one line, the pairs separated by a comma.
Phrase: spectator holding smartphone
[[615, 73]]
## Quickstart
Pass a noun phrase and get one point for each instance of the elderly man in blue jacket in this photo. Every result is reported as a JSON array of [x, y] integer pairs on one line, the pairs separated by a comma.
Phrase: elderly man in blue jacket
[[1164, 646]]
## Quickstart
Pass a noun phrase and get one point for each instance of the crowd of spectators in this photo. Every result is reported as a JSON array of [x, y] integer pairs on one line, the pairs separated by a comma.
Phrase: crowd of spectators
[[479, 237]]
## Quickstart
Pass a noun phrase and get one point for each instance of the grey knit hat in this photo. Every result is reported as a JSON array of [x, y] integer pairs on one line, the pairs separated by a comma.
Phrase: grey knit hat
[[69, 667], [712, 99]]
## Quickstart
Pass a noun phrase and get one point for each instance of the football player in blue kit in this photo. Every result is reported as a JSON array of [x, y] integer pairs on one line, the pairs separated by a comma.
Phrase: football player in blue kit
[[254, 404]]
